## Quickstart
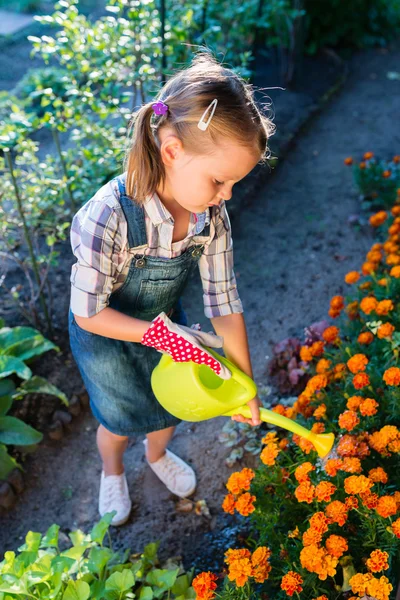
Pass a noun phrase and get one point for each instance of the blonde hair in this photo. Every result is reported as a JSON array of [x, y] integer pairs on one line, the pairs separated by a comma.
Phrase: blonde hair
[[188, 94]]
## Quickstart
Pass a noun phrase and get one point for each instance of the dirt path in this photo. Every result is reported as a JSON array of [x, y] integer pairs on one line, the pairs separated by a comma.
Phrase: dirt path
[[293, 245]]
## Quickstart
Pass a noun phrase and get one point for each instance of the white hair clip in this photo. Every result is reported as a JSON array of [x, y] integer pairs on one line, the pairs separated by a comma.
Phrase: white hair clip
[[201, 124]]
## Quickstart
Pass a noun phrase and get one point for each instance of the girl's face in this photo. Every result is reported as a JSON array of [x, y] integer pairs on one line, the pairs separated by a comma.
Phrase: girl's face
[[195, 182]]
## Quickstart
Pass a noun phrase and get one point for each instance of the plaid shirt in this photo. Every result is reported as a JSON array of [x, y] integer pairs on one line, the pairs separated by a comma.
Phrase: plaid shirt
[[99, 241]]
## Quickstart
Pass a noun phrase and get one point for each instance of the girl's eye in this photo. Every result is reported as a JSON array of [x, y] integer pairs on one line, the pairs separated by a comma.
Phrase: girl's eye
[[219, 182]]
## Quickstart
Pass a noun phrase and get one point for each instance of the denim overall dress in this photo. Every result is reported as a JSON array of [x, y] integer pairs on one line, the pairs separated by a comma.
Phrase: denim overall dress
[[117, 373]]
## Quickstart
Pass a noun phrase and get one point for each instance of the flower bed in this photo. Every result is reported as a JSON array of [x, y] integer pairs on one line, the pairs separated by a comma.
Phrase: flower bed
[[326, 529]]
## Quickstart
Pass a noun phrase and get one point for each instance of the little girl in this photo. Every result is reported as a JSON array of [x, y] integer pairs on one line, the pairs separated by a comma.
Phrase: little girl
[[137, 240]]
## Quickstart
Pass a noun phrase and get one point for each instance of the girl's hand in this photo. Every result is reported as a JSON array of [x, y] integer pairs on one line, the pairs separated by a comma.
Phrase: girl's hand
[[254, 406]]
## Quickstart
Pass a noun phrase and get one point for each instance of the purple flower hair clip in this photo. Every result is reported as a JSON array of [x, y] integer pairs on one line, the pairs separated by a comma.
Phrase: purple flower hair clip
[[160, 108]]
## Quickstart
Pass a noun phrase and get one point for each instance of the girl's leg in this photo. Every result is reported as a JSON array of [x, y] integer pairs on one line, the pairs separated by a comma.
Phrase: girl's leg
[[157, 441], [111, 448]]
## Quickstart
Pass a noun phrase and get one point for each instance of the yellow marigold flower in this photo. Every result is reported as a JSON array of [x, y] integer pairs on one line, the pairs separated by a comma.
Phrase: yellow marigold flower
[[323, 365], [301, 472], [239, 571], [395, 272], [269, 454], [331, 334], [261, 566], [337, 512], [384, 307], [324, 491], [332, 466], [368, 407], [385, 331], [365, 338], [354, 402], [368, 155], [396, 528], [295, 533], [204, 585], [357, 484], [336, 545], [320, 412], [360, 381], [291, 583], [306, 354], [348, 161], [305, 492], [379, 588], [348, 420], [240, 481], [233, 554], [270, 438], [392, 376], [357, 363], [351, 464], [318, 560], [378, 561], [358, 583], [352, 277], [387, 506], [244, 504], [368, 304], [378, 218], [228, 505]]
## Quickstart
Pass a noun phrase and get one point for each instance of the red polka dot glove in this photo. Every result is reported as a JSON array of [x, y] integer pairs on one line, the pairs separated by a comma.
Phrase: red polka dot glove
[[184, 344]]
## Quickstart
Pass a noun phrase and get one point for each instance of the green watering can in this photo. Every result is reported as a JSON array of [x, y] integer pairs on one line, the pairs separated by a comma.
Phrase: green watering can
[[193, 392]]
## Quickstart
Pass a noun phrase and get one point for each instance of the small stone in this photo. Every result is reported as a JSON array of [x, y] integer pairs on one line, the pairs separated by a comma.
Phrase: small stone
[[7, 495], [63, 416], [56, 431], [16, 480], [74, 406]]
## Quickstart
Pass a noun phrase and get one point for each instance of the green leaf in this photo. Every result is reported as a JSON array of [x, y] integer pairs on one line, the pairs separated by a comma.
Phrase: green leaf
[[5, 404], [27, 348], [32, 542], [146, 593], [76, 590], [78, 537], [50, 538], [40, 385], [10, 364], [76, 552], [162, 578], [98, 558], [7, 386], [15, 431], [100, 529], [181, 585], [121, 581], [7, 463]]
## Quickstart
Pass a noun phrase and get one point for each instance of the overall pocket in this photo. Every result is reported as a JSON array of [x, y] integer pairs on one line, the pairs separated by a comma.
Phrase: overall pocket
[[158, 295]]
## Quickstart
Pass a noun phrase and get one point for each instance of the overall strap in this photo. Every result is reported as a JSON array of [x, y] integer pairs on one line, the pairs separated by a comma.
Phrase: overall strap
[[134, 214]]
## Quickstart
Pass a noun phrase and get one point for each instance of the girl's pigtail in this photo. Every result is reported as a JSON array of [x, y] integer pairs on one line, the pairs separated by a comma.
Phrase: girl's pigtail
[[145, 169]]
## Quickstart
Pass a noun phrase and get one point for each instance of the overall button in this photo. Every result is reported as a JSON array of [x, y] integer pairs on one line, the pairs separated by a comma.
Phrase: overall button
[[140, 263], [197, 252]]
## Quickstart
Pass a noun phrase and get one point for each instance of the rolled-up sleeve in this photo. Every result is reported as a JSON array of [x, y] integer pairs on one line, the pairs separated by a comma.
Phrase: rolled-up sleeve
[[220, 293], [96, 243]]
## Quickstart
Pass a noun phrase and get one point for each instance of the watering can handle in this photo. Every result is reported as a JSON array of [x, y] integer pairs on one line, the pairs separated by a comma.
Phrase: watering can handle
[[240, 377]]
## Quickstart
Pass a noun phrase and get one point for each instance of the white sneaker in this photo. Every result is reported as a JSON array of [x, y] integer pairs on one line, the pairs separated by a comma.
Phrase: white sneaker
[[114, 495], [178, 476]]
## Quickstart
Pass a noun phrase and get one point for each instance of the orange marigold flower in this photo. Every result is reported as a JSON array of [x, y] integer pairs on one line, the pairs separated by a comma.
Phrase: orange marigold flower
[[384, 307], [374, 256], [396, 159], [306, 354], [317, 348], [301, 473], [396, 528], [331, 334], [392, 376], [368, 407], [261, 566], [378, 218], [270, 438], [351, 464], [228, 504], [337, 512], [395, 272], [318, 560], [351, 445], [319, 522], [368, 304], [387, 173], [385, 331], [348, 161], [316, 383], [233, 554], [362, 165], [383, 281], [204, 585], [378, 561], [365, 338], [311, 536], [269, 454], [357, 363], [291, 583], [393, 259], [365, 285], [387, 506], [369, 500], [244, 504], [360, 381], [348, 420], [354, 402], [323, 597], [368, 155], [337, 302], [368, 268], [385, 439], [305, 492], [239, 571], [324, 491], [320, 412], [323, 365], [351, 502], [332, 466], [357, 484], [352, 277], [336, 545], [240, 481], [339, 370]]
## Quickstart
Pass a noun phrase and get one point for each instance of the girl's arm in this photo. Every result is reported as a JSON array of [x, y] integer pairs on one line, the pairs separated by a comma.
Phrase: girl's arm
[[232, 328], [114, 324]]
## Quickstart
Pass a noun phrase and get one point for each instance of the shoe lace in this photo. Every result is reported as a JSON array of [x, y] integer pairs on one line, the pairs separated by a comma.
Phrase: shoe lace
[[115, 490], [171, 468]]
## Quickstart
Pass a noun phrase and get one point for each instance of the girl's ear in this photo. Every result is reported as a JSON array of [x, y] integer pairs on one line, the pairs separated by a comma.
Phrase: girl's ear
[[171, 149]]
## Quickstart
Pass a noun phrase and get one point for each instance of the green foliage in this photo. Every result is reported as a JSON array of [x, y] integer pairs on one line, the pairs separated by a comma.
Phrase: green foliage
[[378, 181], [88, 569], [18, 346]]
